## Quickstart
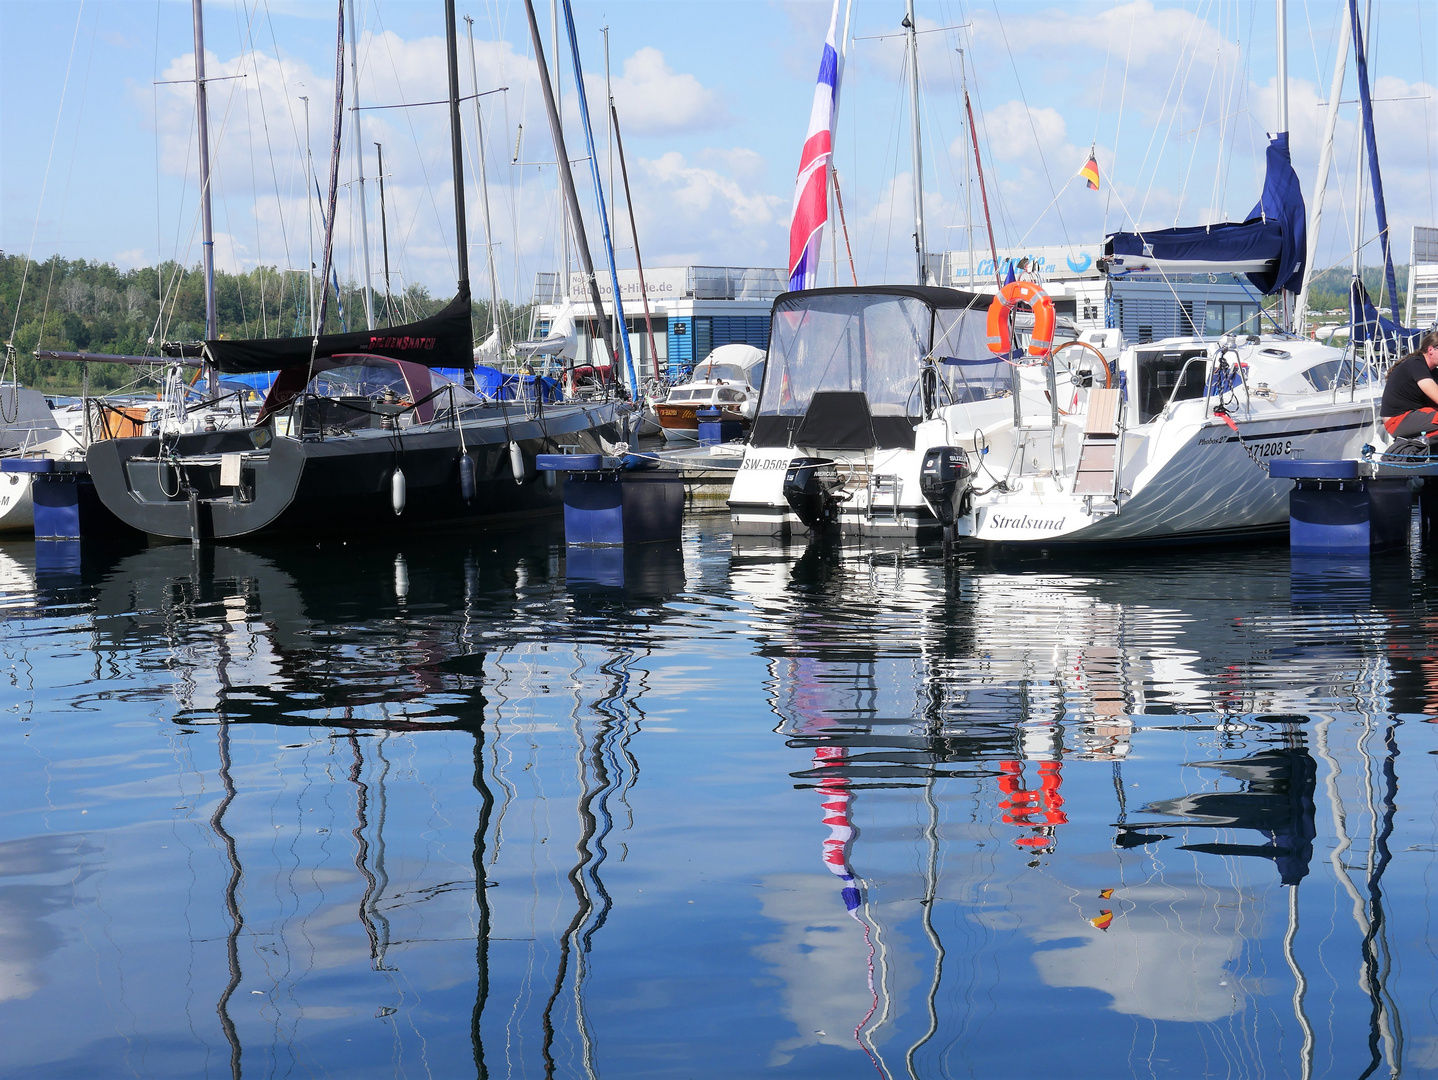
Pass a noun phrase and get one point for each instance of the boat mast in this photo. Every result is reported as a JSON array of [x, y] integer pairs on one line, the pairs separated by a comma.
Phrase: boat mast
[[456, 147], [911, 24], [1325, 162], [1281, 11], [567, 223], [384, 237], [1365, 97], [310, 203], [599, 198], [207, 224], [566, 177], [634, 232], [484, 192], [359, 167]]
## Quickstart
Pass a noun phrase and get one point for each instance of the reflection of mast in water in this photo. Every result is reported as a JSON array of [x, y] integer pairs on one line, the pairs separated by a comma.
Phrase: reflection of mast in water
[[375, 923], [1385, 1031], [600, 774], [232, 906], [931, 895], [481, 899]]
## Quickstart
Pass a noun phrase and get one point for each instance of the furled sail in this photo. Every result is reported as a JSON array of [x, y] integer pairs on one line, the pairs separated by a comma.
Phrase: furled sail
[[1270, 246], [444, 340], [1369, 326]]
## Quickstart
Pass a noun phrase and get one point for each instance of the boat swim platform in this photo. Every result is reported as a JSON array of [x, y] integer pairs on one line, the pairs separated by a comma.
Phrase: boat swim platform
[[707, 471]]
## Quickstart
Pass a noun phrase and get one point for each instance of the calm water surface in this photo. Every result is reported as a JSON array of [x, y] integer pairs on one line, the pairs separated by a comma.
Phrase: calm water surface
[[476, 807]]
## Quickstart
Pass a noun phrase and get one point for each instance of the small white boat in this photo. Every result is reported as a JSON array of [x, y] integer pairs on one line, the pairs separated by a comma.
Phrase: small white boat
[[728, 380]]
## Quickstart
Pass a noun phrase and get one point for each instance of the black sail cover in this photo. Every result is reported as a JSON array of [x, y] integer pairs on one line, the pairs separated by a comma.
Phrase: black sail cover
[[444, 340]]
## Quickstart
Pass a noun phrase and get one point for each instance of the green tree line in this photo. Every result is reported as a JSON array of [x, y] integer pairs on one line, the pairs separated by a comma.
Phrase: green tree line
[[1329, 290], [78, 305]]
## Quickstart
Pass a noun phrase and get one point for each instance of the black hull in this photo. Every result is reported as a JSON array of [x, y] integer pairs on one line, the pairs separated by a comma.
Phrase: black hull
[[340, 486]]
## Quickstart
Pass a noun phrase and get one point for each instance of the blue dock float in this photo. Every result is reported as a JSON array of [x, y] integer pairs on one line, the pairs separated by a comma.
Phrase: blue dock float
[[716, 426], [610, 502], [67, 506], [1345, 507]]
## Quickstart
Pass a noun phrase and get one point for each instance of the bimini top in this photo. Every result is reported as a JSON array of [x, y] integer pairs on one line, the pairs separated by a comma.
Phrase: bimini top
[[444, 340]]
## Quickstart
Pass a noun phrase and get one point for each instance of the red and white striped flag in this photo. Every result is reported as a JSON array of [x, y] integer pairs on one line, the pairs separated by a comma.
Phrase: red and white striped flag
[[811, 191]]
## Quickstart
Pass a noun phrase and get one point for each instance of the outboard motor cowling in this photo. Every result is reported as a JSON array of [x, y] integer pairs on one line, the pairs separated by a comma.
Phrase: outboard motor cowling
[[811, 488], [944, 481]]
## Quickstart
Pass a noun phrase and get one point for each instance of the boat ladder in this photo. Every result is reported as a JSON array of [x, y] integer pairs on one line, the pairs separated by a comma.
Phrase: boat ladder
[[1099, 455]]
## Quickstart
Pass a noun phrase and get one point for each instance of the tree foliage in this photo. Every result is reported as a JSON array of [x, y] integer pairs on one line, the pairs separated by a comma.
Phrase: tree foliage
[[78, 305]]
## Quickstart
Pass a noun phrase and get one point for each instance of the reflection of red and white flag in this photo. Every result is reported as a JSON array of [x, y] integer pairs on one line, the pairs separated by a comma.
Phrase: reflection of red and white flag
[[835, 791], [811, 190]]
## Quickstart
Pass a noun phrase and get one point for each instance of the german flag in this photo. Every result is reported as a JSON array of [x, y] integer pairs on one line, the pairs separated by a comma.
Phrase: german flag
[[1090, 172]]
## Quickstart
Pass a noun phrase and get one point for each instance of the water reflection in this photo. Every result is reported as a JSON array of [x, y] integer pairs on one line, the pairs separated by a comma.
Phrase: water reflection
[[487, 805], [978, 694]]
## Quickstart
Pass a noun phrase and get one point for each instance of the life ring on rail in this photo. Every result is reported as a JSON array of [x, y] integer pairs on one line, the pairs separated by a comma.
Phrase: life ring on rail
[[1000, 325]]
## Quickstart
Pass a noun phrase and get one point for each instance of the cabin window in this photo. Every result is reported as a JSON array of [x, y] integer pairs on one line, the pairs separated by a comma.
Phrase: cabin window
[[1229, 318], [726, 394]]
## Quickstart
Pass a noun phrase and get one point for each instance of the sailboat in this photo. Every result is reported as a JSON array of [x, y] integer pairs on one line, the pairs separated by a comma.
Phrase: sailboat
[[359, 432], [917, 411]]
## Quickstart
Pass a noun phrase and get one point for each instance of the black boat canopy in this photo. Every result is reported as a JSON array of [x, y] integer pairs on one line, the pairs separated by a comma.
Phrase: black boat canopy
[[445, 340]]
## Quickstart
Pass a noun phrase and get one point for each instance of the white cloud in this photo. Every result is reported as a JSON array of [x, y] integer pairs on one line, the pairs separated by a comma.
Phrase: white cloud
[[653, 99]]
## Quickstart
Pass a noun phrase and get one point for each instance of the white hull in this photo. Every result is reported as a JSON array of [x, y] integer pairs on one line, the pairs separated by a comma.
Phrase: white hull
[[17, 508]]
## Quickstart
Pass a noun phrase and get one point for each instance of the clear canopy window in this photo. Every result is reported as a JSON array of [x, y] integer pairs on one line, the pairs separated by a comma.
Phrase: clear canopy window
[[727, 372], [961, 347], [866, 342]]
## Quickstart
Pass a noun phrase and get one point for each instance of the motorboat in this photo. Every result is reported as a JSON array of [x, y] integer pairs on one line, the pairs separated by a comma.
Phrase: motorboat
[[885, 413], [727, 380]]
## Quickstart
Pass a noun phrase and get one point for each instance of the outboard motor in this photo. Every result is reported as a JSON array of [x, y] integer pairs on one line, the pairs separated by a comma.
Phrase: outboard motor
[[811, 488], [944, 482]]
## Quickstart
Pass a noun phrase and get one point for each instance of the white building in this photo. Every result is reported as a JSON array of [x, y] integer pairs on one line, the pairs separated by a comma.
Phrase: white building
[[1146, 307], [693, 309], [1423, 278]]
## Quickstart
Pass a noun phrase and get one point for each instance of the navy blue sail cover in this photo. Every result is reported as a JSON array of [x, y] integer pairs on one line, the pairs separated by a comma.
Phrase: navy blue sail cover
[[444, 340], [1271, 247], [1370, 326]]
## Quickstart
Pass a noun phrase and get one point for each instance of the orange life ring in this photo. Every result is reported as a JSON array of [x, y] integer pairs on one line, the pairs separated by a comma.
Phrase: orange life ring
[[999, 328]]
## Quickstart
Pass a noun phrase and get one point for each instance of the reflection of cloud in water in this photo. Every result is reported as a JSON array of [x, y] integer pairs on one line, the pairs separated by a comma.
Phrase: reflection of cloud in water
[[821, 958], [26, 938], [1166, 956]]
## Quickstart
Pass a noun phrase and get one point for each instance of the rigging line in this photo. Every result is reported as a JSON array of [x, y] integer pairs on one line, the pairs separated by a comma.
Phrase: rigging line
[[1118, 124], [45, 182], [1193, 153], [1172, 97], [1129, 218], [1033, 127], [270, 150]]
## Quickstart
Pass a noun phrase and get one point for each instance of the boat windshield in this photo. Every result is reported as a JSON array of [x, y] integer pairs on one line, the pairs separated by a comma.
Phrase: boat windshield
[[370, 379], [863, 342], [728, 372], [972, 372]]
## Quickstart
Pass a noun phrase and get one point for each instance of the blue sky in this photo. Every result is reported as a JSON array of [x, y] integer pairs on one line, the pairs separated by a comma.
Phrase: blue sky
[[98, 160]]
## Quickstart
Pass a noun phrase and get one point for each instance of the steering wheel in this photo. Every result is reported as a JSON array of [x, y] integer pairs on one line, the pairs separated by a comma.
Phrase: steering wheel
[[1079, 372]]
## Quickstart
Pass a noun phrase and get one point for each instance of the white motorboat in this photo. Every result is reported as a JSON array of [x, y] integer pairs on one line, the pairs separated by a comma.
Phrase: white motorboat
[[884, 413], [727, 380]]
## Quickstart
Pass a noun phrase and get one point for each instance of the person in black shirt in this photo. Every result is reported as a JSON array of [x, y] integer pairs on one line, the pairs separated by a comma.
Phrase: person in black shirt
[[1410, 396]]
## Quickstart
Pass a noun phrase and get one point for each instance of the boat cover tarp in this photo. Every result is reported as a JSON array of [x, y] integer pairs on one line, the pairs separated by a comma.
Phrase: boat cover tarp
[[1271, 246], [1369, 326], [444, 340]]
